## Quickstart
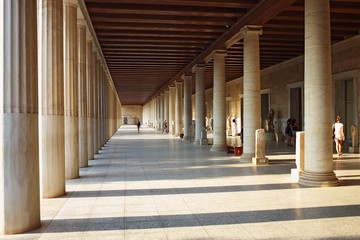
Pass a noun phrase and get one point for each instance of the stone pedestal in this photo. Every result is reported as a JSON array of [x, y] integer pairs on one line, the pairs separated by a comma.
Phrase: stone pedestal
[[260, 158], [297, 172]]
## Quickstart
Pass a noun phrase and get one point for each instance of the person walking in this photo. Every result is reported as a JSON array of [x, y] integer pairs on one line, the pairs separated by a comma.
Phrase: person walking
[[138, 126], [339, 135]]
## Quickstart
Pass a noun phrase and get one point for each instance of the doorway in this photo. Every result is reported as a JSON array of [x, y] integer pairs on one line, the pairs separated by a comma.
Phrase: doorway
[[296, 104]]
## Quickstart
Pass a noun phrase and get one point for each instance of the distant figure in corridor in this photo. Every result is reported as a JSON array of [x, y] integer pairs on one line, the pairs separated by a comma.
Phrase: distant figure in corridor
[[138, 126], [165, 127], [339, 135]]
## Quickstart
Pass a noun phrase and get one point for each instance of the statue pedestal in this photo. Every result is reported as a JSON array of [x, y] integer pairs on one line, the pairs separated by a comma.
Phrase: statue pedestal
[[269, 136]]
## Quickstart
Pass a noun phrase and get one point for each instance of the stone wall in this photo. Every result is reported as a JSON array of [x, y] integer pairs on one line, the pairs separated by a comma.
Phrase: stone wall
[[131, 113], [279, 79]]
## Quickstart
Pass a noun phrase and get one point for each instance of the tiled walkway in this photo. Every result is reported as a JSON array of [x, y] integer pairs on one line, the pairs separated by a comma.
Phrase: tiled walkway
[[153, 186]]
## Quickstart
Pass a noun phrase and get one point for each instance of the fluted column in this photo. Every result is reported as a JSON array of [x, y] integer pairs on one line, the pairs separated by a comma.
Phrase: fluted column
[[90, 96], [83, 143], [166, 107], [161, 110], [19, 139], [94, 92], [171, 109], [98, 101], [51, 101], [252, 103], [200, 101], [219, 102], [71, 90], [178, 113], [157, 119], [187, 106], [318, 164]]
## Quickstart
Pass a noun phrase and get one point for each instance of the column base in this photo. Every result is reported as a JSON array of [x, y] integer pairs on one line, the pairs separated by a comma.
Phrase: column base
[[197, 142], [186, 138], [318, 179], [247, 157], [260, 161], [218, 148]]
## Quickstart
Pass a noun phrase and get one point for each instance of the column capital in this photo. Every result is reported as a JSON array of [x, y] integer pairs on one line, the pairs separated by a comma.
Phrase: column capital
[[75, 3], [201, 66], [188, 74], [81, 22], [219, 52], [251, 29]]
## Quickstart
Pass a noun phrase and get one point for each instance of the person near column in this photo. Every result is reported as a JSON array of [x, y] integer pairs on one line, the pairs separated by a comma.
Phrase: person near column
[[339, 135], [165, 127], [233, 127], [138, 125]]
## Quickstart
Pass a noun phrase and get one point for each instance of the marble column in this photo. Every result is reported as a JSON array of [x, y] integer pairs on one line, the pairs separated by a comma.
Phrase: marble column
[[200, 102], [71, 90], [171, 109], [252, 101], [90, 96], [98, 102], [318, 165], [219, 102], [83, 143], [19, 139], [162, 110], [94, 93], [187, 106], [166, 107], [51, 99], [157, 111], [178, 112]]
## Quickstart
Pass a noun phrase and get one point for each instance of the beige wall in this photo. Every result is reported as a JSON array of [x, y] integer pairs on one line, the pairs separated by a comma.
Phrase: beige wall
[[132, 113], [280, 78]]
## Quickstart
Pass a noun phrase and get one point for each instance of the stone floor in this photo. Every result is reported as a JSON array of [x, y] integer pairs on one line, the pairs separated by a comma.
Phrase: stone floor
[[153, 186]]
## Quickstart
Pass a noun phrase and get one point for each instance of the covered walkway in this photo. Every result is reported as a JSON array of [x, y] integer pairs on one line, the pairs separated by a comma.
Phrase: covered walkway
[[153, 186]]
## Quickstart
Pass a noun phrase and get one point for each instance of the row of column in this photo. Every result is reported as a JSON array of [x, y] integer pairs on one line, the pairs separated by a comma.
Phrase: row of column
[[318, 146], [59, 106]]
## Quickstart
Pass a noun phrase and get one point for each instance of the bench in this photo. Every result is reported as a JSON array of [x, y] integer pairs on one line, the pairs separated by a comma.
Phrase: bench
[[237, 150]]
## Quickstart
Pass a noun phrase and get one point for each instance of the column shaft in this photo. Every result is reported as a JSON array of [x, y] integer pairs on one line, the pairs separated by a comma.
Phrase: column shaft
[[94, 92], [171, 110], [219, 102], [252, 103], [187, 106], [83, 116], [19, 139], [71, 90], [318, 166], [51, 101], [200, 102], [90, 96], [178, 113], [166, 107]]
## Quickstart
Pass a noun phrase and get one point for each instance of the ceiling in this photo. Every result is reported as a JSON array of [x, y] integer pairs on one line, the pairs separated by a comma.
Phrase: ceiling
[[148, 44]]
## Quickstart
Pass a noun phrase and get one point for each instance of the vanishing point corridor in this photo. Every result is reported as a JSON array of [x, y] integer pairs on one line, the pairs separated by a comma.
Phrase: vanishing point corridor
[[154, 186]]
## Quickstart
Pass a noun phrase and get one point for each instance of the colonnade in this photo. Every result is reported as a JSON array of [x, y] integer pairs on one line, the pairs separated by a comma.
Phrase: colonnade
[[59, 105], [318, 146]]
